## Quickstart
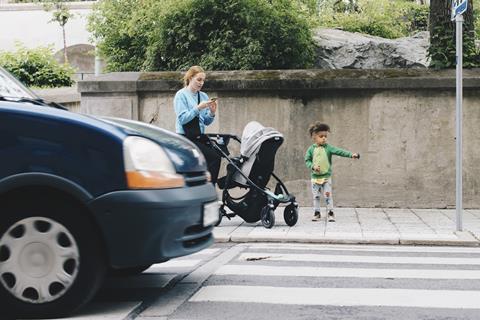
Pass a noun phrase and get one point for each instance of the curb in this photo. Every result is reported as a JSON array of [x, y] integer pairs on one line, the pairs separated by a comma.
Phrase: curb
[[460, 239]]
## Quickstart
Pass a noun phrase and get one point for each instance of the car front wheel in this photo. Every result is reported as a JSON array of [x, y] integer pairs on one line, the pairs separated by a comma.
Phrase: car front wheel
[[50, 260]]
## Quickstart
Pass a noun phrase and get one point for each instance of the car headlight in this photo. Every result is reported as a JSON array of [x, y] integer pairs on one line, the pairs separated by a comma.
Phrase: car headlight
[[147, 166]]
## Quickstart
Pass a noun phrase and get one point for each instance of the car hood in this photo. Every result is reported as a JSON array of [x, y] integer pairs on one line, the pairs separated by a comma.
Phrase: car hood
[[185, 156]]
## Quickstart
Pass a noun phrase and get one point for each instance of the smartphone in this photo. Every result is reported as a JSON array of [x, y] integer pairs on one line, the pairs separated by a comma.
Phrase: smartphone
[[213, 99]]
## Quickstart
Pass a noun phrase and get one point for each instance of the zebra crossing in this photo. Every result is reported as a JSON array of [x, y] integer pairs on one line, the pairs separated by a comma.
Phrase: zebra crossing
[[301, 281], [120, 297], [341, 282]]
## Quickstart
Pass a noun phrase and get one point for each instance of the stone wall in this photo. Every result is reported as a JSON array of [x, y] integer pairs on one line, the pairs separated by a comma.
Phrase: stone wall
[[66, 96], [402, 122]]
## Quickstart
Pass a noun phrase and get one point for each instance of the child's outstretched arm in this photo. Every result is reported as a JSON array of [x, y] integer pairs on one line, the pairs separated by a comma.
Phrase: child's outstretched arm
[[340, 152]]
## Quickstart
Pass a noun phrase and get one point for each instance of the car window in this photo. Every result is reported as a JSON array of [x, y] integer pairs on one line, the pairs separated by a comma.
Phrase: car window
[[12, 88]]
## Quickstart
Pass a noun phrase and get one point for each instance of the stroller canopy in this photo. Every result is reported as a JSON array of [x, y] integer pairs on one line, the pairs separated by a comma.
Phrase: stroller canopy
[[254, 134]]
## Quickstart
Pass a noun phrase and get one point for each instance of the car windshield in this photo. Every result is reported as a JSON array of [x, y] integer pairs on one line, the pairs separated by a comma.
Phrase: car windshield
[[10, 87]]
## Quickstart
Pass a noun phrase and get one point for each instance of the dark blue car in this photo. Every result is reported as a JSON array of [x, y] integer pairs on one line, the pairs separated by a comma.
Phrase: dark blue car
[[80, 196]]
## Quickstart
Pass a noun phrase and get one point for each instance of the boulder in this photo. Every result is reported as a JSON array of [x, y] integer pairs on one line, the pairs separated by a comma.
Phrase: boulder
[[339, 49], [81, 57]]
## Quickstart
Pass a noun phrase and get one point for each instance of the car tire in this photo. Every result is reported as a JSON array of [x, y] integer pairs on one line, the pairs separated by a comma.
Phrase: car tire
[[51, 259]]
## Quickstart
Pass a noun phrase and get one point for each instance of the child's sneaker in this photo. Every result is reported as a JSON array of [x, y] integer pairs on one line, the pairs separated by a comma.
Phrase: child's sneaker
[[331, 216], [316, 216]]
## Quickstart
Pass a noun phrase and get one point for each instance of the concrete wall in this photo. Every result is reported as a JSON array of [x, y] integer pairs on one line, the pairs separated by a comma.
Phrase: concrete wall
[[402, 122], [29, 24], [66, 96]]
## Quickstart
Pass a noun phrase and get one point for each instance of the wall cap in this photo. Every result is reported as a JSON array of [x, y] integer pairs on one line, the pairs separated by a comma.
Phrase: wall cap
[[273, 80]]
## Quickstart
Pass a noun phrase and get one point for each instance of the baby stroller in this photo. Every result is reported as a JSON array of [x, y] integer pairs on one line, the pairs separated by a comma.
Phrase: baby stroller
[[252, 170]]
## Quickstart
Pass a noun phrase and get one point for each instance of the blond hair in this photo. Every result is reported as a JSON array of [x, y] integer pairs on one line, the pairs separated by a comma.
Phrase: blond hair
[[194, 70]]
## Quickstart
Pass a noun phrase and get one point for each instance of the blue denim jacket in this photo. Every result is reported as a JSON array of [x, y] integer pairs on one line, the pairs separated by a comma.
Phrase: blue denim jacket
[[185, 104]]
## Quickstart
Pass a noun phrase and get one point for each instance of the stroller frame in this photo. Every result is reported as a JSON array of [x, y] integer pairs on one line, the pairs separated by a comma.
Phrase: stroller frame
[[220, 142]]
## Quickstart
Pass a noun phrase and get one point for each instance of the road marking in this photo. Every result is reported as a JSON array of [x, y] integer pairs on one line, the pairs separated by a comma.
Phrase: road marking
[[316, 247], [246, 270], [207, 252], [341, 296], [265, 256], [165, 305], [172, 264]]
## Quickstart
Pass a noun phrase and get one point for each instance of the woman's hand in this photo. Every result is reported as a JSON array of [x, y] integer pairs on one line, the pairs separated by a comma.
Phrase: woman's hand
[[213, 107], [204, 104]]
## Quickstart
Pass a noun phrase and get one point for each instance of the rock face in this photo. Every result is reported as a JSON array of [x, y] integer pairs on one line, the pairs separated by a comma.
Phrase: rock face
[[339, 49], [80, 56]]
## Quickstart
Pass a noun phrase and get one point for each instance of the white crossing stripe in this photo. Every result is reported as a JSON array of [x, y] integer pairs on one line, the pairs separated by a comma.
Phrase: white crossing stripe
[[171, 264], [180, 263], [321, 247], [358, 259], [207, 252], [341, 296], [246, 270]]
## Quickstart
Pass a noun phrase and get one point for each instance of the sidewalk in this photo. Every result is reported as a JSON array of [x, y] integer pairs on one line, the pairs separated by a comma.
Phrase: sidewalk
[[360, 226]]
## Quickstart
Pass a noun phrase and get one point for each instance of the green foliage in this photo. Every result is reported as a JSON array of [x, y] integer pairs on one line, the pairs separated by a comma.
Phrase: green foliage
[[417, 17], [217, 34], [44, 1], [37, 67], [442, 51], [61, 13], [476, 17], [121, 30], [382, 18]]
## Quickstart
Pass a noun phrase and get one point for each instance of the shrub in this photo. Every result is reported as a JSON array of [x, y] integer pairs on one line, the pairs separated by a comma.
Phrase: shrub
[[232, 34], [120, 36], [217, 34], [382, 18], [476, 17], [37, 67], [442, 49]]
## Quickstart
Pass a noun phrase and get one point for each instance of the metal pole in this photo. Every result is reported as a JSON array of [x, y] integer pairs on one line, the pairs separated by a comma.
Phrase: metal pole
[[459, 114], [98, 63]]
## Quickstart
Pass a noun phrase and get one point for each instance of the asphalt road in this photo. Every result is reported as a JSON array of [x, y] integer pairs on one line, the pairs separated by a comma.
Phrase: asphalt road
[[299, 281]]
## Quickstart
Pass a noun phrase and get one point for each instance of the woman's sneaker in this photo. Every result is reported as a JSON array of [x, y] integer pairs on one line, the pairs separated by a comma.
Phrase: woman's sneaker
[[316, 216], [331, 216]]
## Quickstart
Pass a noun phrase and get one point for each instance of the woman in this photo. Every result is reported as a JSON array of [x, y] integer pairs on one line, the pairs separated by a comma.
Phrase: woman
[[194, 111]]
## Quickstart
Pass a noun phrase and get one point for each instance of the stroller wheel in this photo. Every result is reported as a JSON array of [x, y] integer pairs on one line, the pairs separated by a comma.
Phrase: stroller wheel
[[268, 217], [290, 214]]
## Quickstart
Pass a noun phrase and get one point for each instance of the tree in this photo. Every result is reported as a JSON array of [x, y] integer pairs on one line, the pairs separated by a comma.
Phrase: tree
[[61, 15], [442, 36], [217, 34]]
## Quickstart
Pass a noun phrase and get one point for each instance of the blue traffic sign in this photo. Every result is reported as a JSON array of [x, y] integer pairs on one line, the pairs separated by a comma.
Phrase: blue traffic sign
[[458, 7]]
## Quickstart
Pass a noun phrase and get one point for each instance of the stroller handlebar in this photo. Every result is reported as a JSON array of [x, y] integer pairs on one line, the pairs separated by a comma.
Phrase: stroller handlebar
[[224, 136]]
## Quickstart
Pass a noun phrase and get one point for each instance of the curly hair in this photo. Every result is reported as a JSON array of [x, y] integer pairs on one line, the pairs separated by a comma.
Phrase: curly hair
[[317, 127]]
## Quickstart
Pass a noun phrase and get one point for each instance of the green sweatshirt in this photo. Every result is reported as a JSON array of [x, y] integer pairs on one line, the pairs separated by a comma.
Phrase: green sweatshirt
[[322, 156]]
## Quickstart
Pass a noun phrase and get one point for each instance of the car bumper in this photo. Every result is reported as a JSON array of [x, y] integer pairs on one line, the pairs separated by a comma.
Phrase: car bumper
[[142, 227]]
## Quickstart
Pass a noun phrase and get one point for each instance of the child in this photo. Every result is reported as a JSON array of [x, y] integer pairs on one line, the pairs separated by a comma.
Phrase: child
[[319, 159]]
